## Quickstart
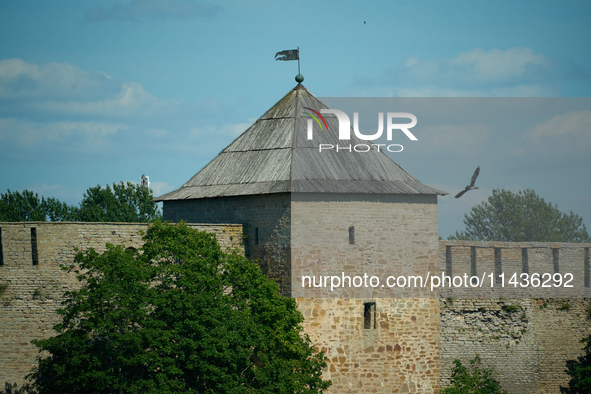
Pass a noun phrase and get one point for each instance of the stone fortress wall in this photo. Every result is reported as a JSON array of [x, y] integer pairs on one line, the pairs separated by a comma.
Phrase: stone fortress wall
[[525, 335], [525, 339], [32, 283]]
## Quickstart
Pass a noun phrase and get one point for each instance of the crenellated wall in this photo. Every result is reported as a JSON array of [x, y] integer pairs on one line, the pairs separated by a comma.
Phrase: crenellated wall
[[518, 260], [524, 334]]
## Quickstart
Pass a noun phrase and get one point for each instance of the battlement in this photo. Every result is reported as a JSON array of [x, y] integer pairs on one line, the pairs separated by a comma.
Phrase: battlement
[[499, 262], [514, 328]]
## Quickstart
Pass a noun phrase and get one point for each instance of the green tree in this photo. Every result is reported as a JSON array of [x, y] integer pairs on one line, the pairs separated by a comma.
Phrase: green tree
[[518, 217], [473, 380], [179, 315], [580, 372], [20, 207], [122, 203], [58, 211], [27, 206]]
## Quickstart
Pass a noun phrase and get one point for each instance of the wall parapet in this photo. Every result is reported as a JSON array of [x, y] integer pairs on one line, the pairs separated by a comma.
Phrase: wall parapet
[[499, 262]]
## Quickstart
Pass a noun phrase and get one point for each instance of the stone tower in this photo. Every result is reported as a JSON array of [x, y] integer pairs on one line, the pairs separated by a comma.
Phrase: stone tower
[[311, 215]]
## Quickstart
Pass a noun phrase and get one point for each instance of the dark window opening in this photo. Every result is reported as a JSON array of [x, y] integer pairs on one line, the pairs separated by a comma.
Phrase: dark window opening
[[586, 260], [1, 252], [555, 253], [524, 261], [473, 260], [369, 315], [34, 254], [352, 235], [256, 236]]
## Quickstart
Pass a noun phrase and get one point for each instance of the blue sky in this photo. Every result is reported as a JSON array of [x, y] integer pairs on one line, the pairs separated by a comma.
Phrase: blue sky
[[96, 92]]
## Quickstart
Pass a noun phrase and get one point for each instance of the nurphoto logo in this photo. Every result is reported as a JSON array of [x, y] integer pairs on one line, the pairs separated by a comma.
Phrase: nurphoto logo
[[345, 130]]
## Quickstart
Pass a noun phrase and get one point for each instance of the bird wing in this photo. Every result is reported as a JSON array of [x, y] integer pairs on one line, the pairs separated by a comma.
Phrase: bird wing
[[460, 194], [474, 176]]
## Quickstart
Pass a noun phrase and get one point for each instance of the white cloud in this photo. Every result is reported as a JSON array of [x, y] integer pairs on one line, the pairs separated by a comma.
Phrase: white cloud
[[64, 89], [569, 124], [26, 133], [52, 81], [513, 72], [63, 105], [131, 100], [532, 90], [569, 133], [11, 69], [497, 65]]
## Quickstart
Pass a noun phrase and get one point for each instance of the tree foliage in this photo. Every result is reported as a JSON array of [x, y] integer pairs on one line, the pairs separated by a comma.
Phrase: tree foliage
[[179, 315], [473, 380], [58, 211], [579, 371], [27, 206], [522, 216], [121, 203]]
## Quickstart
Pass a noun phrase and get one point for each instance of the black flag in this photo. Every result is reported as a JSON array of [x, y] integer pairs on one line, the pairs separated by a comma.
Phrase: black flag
[[290, 54]]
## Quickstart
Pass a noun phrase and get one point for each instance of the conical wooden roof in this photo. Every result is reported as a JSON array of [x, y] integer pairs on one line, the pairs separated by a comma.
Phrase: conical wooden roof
[[274, 155]]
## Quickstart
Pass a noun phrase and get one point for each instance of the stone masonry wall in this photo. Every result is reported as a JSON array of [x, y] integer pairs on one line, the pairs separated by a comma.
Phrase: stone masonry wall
[[412, 342], [525, 339], [33, 287], [265, 220], [397, 350]]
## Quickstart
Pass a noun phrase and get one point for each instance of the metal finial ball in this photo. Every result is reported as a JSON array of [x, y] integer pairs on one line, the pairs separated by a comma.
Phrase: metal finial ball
[[299, 78]]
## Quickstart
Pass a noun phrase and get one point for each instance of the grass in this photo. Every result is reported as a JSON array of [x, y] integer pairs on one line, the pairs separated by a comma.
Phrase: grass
[[510, 308]]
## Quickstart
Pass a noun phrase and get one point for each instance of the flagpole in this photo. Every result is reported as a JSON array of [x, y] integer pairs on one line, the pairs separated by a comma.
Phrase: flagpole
[[299, 59]]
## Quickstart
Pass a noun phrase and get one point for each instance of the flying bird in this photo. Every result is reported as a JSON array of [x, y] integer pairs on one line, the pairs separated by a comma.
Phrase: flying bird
[[471, 185]]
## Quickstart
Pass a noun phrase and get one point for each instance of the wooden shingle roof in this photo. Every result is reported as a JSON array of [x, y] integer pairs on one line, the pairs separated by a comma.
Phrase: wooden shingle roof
[[274, 155]]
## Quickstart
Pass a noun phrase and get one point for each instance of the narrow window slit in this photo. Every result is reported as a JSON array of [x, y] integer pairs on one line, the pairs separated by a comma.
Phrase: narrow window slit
[[586, 262], [352, 235], [1, 251], [369, 315], [524, 261], [34, 253]]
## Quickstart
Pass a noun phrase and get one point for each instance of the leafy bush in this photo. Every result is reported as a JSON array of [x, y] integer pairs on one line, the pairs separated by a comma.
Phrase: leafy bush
[[178, 315], [473, 380], [580, 372]]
